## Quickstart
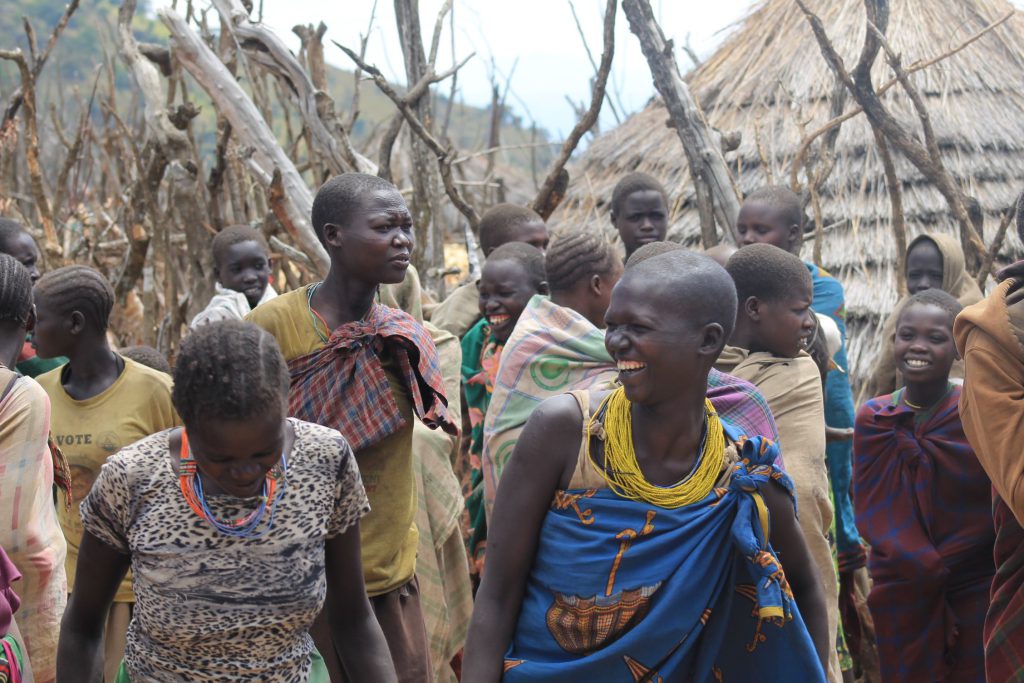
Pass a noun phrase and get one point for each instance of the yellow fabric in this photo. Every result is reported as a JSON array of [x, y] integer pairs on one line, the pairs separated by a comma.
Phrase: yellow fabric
[[136, 405], [885, 378], [459, 312], [388, 533], [792, 388]]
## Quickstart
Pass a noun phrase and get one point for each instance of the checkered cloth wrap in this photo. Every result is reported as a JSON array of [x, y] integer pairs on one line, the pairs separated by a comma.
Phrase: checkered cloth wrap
[[343, 385]]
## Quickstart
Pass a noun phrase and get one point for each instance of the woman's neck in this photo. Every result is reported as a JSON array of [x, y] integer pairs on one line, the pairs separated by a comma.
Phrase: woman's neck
[[92, 368], [668, 429], [341, 300], [925, 394]]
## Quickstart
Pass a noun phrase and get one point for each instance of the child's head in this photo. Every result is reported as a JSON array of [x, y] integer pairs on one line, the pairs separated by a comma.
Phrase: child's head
[[771, 215], [507, 223], [231, 391], [148, 356], [513, 274], [16, 314], [365, 225], [925, 267], [775, 294], [582, 268], [639, 211], [923, 343], [241, 261], [669, 318], [650, 250], [73, 304], [16, 241]]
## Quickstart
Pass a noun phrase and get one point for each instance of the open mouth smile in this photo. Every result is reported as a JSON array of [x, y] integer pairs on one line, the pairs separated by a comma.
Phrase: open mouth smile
[[916, 363], [498, 319], [627, 366]]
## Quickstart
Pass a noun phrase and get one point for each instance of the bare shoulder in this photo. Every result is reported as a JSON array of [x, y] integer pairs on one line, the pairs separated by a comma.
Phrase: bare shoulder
[[551, 440]]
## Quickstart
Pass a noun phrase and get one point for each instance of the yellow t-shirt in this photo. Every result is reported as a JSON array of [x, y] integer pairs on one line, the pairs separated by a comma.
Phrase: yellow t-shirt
[[388, 533], [136, 405]]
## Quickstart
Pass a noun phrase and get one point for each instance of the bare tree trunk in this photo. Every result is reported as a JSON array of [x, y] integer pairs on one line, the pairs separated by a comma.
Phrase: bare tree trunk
[[429, 255], [703, 150], [249, 126]]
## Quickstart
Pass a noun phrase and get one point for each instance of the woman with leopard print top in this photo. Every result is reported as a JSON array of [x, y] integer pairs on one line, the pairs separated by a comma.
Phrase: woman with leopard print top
[[238, 528]]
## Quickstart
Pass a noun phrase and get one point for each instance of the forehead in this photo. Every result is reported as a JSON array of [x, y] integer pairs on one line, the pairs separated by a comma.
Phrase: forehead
[[244, 251], [643, 294], [925, 252], [380, 202], [505, 270], [20, 245], [763, 212], [925, 315], [643, 200], [529, 230]]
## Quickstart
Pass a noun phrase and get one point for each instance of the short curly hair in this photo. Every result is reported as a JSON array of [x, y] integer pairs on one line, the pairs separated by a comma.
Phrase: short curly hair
[[500, 225], [79, 288], [767, 272], [933, 297], [635, 182], [527, 255], [232, 235], [229, 370], [340, 196]]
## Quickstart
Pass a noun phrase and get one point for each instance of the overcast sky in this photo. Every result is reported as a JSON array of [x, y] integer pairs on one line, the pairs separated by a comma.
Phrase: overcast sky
[[536, 37]]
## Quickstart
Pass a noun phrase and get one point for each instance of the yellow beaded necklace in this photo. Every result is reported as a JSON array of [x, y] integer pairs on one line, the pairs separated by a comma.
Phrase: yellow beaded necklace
[[622, 471]]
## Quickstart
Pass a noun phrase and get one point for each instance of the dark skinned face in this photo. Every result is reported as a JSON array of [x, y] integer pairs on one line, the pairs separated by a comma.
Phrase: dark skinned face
[[24, 249], [376, 243], [655, 347], [761, 223], [52, 334], [534, 233], [246, 269], [643, 219], [923, 344], [235, 455], [924, 267], [505, 290], [784, 325]]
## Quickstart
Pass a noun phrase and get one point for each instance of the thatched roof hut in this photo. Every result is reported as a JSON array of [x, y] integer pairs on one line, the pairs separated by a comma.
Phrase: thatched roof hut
[[769, 82]]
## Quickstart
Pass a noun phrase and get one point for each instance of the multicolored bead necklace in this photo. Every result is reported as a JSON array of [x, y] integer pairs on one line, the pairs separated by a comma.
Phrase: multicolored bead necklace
[[246, 527]]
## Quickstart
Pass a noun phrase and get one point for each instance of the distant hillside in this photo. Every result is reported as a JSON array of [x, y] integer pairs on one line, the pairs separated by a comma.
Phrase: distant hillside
[[89, 41]]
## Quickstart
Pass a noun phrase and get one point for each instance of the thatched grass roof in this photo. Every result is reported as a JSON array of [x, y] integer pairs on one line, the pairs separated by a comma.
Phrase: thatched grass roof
[[768, 78]]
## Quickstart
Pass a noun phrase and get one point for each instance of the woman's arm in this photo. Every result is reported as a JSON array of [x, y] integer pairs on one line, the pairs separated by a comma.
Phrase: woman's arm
[[357, 636], [99, 572], [528, 484], [788, 542]]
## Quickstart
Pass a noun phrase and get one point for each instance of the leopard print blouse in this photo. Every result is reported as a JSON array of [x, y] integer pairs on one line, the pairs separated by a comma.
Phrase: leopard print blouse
[[210, 607]]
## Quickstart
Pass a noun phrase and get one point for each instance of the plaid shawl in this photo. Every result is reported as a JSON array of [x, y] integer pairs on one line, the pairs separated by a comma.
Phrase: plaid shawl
[[924, 505], [343, 385], [552, 350], [1004, 623]]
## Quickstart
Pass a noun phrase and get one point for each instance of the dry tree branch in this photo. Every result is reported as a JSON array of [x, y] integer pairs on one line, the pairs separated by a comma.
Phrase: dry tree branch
[[918, 65], [16, 99], [923, 158], [552, 190], [269, 51], [445, 156], [357, 76], [590, 58], [997, 244], [28, 98], [703, 151], [249, 127], [899, 228]]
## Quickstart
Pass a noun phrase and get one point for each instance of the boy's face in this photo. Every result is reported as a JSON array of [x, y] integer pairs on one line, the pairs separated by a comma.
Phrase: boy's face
[[785, 324], [534, 233], [376, 243], [246, 269], [505, 290], [23, 248], [923, 344], [761, 223], [643, 219], [924, 267]]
